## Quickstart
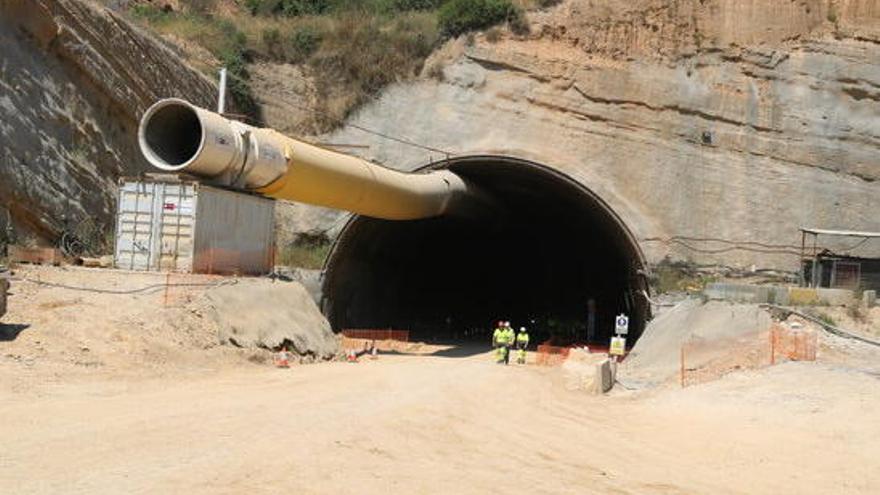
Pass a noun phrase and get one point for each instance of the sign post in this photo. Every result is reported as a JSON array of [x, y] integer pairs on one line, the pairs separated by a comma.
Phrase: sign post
[[621, 324], [618, 342]]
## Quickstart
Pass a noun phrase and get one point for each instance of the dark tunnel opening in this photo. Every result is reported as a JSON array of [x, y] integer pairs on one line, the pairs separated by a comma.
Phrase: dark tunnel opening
[[551, 249]]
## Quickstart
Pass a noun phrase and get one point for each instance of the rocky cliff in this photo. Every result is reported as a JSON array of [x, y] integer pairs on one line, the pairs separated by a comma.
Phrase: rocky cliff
[[728, 119], [74, 79]]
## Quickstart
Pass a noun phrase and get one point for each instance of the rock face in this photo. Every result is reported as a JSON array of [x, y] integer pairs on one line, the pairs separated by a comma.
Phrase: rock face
[[702, 118], [726, 119], [74, 80]]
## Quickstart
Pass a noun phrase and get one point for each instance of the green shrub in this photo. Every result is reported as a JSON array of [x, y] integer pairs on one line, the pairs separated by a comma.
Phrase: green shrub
[[295, 47], [678, 276], [229, 45], [405, 5], [302, 43], [359, 56], [307, 251], [149, 13], [826, 319], [457, 17], [272, 44], [288, 8], [832, 14], [252, 6]]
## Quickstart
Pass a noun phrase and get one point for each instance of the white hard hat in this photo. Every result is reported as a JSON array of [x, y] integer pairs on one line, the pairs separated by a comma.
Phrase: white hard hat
[[522, 329]]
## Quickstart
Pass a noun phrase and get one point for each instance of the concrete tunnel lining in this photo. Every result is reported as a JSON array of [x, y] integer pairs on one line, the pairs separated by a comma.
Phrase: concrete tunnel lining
[[553, 245]]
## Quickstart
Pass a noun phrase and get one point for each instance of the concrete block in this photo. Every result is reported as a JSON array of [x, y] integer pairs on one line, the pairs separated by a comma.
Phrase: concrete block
[[779, 295], [591, 373], [744, 293], [835, 297], [606, 372], [869, 298]]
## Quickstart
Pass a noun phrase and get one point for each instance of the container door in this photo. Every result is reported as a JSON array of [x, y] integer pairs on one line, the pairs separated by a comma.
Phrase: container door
[[135, 233], [177, 213]]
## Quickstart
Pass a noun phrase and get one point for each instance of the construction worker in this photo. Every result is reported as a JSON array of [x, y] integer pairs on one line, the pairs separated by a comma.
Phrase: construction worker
[[509, 338], [498, 338], [522, 342]]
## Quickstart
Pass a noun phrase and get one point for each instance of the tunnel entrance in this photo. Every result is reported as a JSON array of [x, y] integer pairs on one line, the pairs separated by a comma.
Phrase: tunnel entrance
[[548, 249]]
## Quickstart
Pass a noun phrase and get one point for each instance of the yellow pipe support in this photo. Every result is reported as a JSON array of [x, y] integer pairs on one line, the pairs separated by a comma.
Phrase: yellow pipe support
[[177, 136]]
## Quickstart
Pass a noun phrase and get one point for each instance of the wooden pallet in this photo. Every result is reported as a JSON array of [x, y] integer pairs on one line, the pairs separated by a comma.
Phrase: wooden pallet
[[36, 256]]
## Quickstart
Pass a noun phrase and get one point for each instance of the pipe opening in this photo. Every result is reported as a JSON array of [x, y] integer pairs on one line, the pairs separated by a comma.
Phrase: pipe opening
[[555, 259], [173, 136]]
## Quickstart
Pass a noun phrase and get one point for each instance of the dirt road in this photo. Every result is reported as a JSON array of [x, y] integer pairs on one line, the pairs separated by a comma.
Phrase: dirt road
[[429, 424]]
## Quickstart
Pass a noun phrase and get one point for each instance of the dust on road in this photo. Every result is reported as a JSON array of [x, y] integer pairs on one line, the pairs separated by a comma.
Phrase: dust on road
[[430, 424], [108, 394]]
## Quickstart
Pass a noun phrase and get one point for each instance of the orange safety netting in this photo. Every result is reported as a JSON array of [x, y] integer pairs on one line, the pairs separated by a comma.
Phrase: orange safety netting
[[793, 344], [707, 360], [549, 355], [370, 334]]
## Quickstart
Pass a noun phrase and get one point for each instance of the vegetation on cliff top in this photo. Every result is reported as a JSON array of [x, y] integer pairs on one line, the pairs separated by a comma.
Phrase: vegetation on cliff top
[[351, 48]]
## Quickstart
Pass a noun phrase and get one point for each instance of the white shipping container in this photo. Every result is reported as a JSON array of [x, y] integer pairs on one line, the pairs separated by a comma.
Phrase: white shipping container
[[185, 226]]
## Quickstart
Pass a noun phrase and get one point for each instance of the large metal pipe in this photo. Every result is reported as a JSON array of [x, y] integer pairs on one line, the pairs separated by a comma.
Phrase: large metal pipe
[[177, 136]]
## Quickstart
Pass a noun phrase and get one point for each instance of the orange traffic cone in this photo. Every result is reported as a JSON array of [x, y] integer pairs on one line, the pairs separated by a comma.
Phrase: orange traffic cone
[[282, 359], [351, 356]]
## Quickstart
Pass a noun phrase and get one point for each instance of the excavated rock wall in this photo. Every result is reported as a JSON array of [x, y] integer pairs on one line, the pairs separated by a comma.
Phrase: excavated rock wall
[[74, 79], [729, 119]]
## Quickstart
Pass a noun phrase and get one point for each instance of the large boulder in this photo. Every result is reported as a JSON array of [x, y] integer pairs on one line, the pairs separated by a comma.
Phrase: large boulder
[[260, 313]]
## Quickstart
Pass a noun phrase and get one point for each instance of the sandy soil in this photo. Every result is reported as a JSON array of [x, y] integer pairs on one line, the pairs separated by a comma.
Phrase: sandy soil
[[52, 335], [426, 424], [213, 421]]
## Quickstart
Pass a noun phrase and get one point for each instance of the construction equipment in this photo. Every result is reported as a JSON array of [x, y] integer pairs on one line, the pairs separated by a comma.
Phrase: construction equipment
[[177, 136]]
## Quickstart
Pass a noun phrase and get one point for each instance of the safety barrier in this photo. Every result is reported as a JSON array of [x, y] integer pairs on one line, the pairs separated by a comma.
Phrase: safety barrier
[[549, 355], [709, 360], [369, 334], [793, 344]]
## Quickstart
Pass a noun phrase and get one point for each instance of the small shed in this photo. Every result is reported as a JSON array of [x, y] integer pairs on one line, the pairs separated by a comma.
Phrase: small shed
[[822, 267], [172, 224]]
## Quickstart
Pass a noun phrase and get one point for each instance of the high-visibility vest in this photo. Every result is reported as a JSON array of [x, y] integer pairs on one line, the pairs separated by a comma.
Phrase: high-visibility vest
[[509, 336], [522, 337], [498, 336]]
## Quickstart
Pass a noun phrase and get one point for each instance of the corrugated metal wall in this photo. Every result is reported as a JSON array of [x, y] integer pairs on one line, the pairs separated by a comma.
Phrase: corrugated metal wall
[[188, 227], [235, 233]]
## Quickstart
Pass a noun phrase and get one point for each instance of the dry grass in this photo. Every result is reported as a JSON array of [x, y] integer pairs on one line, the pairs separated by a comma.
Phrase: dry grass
[[307, 251], [353, 49]]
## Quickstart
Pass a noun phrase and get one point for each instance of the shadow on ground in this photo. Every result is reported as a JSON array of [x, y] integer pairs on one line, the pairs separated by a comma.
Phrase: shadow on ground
[[9, 332], [456, 350], [462, 350]]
